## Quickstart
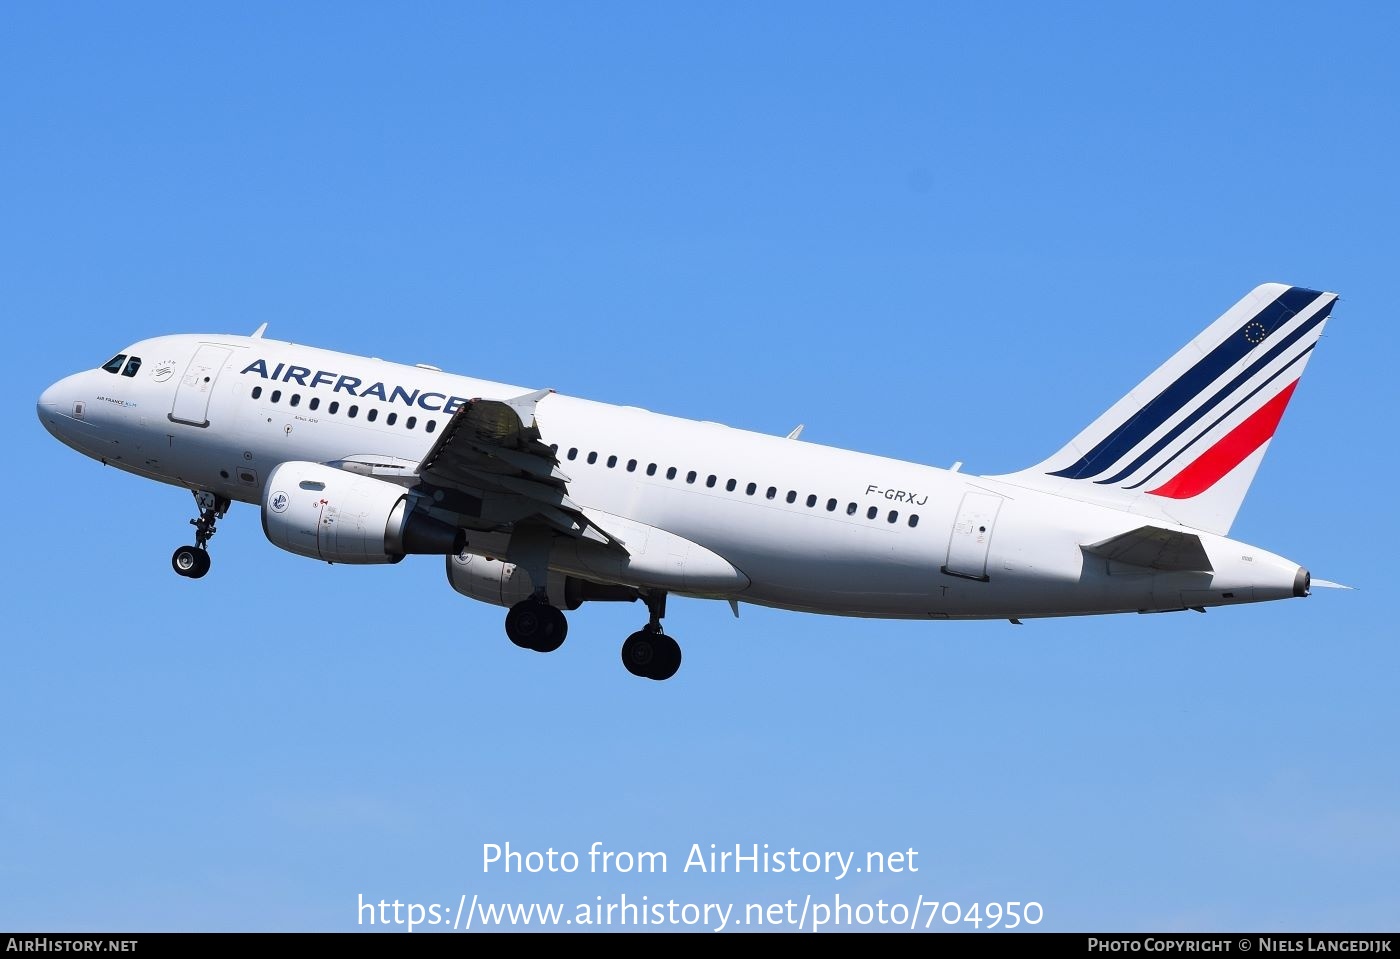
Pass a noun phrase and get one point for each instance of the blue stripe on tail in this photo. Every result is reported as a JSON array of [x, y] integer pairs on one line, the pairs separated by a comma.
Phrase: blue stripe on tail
[[1221, 395], [1209, 368], [1222, 418]]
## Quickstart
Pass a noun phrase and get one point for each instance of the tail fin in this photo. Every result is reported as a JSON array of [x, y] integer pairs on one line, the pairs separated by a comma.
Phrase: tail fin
[[1185, 443]]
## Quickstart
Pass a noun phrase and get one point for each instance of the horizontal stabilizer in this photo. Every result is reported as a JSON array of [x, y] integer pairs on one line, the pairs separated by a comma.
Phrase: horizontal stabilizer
[[1155, 548], [1328, 584]]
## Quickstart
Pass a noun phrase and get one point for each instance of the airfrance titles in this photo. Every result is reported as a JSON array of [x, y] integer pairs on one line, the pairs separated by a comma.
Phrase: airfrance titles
[[341, 383]]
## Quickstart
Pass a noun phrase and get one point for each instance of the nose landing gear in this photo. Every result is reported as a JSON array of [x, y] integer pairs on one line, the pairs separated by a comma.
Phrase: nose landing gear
[[193, 561]]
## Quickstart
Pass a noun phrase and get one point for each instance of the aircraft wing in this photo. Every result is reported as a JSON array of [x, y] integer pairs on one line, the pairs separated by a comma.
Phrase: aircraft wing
[[492, 449], [1155, 548]]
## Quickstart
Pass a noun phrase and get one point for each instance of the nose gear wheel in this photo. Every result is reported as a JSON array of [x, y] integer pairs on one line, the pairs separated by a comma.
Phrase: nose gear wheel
[[193, 561]]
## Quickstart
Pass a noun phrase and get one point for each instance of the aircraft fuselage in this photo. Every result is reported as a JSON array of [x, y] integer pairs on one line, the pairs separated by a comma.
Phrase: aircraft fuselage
[[807, 527]]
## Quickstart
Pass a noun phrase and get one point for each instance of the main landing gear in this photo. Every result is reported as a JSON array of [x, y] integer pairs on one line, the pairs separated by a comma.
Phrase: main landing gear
[[193, 561], [649, 652], [534, 624]]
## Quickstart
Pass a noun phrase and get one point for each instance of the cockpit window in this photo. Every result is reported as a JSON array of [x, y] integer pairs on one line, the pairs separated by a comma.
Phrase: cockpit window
[[132, 365], [114, 365]]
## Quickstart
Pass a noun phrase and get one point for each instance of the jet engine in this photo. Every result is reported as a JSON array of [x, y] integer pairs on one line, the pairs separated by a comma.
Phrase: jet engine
[[505, 584], [326, 513]]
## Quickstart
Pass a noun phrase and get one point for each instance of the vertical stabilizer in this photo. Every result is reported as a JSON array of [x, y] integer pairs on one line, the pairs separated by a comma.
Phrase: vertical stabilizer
[[1184, 444]]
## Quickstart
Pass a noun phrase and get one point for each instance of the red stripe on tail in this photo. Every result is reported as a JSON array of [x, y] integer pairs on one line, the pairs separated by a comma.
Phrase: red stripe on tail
[[1207, 469]]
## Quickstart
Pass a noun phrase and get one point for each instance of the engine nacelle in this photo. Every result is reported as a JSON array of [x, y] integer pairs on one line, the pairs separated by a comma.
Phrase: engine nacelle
[[505, 584], [329, 514]]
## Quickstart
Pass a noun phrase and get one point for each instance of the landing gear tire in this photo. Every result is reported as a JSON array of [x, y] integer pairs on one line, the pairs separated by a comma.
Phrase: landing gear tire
[[651, 655], [668, 658], [531, 624], [638, 652], [190, 561]]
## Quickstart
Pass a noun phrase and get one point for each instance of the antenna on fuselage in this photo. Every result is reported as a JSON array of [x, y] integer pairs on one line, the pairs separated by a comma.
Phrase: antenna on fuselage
[[257, 334]]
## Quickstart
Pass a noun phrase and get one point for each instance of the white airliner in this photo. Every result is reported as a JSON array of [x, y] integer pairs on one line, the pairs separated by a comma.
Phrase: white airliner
[[541, 502]]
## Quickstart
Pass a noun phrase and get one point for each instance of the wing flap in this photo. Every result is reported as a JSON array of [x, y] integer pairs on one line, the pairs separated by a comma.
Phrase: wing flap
[[494, 447], [490, 436]]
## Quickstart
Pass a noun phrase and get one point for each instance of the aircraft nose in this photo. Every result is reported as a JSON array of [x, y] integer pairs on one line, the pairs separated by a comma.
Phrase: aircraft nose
[[48, 400], [59, 405]]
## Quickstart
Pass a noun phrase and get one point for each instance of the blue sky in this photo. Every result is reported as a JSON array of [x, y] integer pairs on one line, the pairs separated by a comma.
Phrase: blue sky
[[934, 232]]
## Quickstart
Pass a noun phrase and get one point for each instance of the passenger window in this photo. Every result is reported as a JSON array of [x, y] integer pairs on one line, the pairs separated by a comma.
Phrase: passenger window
[[711, 480], [851, 509], [132, 365], [114, 365], [315, 403], [792, 496], [592, 458], [671, 473], [894, 516], [412, 421], [372, 414], [772, 491], [276, 396], [651, 469], [353, 411], [612, 461], [831, 506], [391, 419], [631, 466], [257, 392], [811, 500], [731, 484], [872, 513], [430, 426], [334, 408], [751, 489], [914, 520], [690, 477], [296, 399], [573, 453]]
